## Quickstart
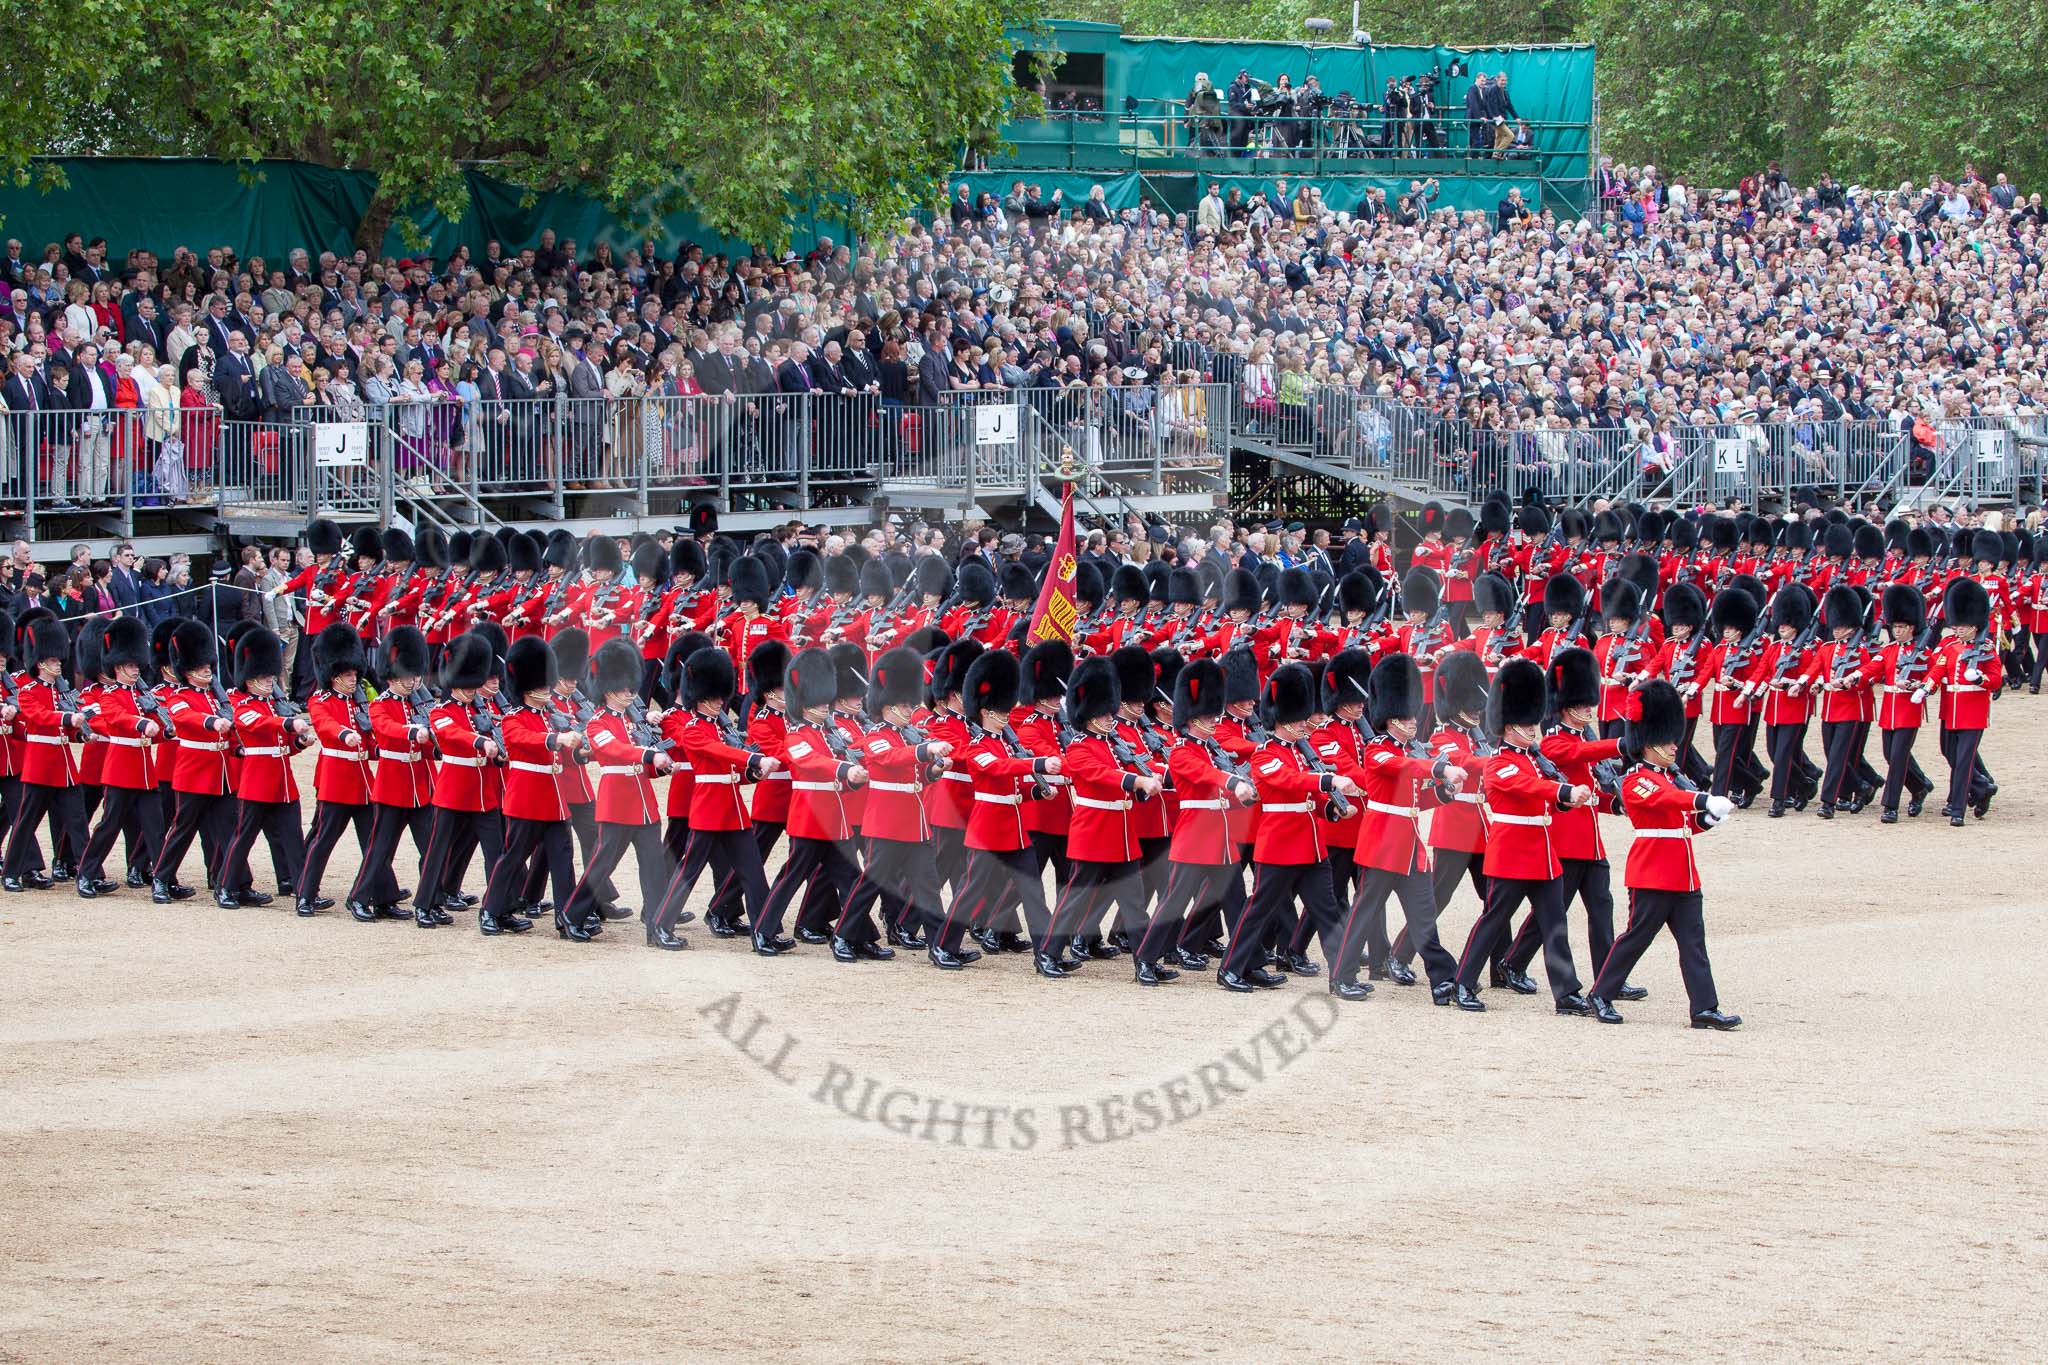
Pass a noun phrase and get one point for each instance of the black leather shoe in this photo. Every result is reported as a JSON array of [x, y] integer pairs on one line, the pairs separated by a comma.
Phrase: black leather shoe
[[874, 952], [254, 897], [1466, 1000], [812, 936], [61, 872], [1443, 992], [304, 907], [1982, 808], [842, 951], [226, 900], [1574, 1004], [1628, 992], [572, 929], [1231, 981], [14, 884], [1889, 817], [1497, 975], [720, 927], [1268, 980], [487, 925], [1046, 965], [658, 937], [393, 910], [362, 914], [943, 959], [1213, 948], [159, 889], [1826, 812], [1120, 941], [616, 911], [1390, 970], [1350, 990], [1301, 964], [1521, 983], [898, 938], [1745, 801], [442, 919], [92, 888], [1098, 950], [1603, 1011], [1190, 959], [1916, 805], [769, 945], [987, 939], [513, 923], [1716, 1020], [424, 918], [1777, 810], [1010, 941], [136, 881], [1955, 822]]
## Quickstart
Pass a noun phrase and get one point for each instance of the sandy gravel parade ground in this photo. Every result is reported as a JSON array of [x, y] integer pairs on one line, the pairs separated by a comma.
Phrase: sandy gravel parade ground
[[239, 1135]]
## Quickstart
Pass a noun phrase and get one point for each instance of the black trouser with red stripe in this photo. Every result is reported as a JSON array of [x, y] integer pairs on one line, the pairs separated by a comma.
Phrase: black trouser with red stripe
[[821, 864], [949, 848], [1275, 887], [1590, 880], [1093, 888], [903, 873], [529, 842], [1210, 922], [1343, 882], [136, 812], [67, 823], [1365, 926], [993, 886], [192, 817], [1901, 768], [1504, 895], [725, 901], [330, 818], [614, 841], [1968, 779], [1193, 892], [476, 830], [729, 853], [377, 881], [278, 823], [1649, 911], [1446, 866], [1843, 742]]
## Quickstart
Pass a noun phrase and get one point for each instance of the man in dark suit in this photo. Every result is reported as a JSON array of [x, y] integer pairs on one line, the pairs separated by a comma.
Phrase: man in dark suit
[[26, 394], [125, 583], [140, 323], [219, 324], [793, 377], [586, 409]]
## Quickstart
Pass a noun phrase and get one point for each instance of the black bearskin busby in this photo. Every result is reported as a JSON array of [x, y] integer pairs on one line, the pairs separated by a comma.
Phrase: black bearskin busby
[[1520, 696], [1396, 688], [1092, 692]]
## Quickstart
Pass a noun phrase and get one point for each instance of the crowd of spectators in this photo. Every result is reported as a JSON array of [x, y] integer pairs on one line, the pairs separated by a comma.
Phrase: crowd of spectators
[[1762, 304], [1411, 118]]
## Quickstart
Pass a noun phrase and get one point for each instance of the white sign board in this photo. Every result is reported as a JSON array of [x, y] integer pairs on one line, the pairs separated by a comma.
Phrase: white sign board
[[338, 444], [995, 424], [1731, 455], [1993, 446]]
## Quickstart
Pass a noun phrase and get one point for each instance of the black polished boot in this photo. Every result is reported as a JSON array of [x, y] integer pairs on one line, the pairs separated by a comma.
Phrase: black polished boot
[[658, 937]]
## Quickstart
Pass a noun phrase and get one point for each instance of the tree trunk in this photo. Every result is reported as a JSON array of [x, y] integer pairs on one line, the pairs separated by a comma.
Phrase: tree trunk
[[375, 223]]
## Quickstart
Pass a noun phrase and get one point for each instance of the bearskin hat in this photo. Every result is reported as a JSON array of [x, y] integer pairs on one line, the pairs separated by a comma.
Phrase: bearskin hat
[[1838, 541], [1684, 535], [1127, 584], [811, 680], [405, 653], [367, 542], [687, 557], [1494, 517], [1685, 605], [927, 640], [1290, 696], [601, 554], [1461, 684], [949, 672], [258, 654], [1396, 691], [990, 683], [1433, 515], [707, 676], [1571, 523], [1607, 526], [337, 649], [160, 639], [850, 676], [1166, 667], [1241, 591], [49, 640], [1842, 608], [1137, 677], [1967, 604], [840, 574], [572, 654], [1721, 534], [1534, 519], [1793, 606], [1564, 595], [1574, 679], [323, 537], [397, 547], [1092, 692], [1197, 692], [89, 652], [1920, 543], [750, 582], [1047, 667], [1987, 547], [679, 649], [1904, 606], [1240, 676], [1869, 542], [1358, 592], [1184, 588], [975, 585], [1345, 679], [1016, 583], [1419, 591], [487, 554], [469, 662], [766, 668], [1620, 600], [1659, 719], [802, 570], [522, 552], [1732, 609], [1297, 588], [530, 666], [458, 547], [126, 641], [1492, 593], [650, 562], [1155, 583], [875, 580], [1459, 524], [934, 579], [616, 667], [192, 647], [1087, 584], [1520, 696]]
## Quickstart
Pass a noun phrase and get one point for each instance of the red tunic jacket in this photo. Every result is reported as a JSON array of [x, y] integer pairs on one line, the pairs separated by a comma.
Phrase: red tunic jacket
[[1101, 830], [1520, 805], [1665, 817], [817, 801], [718, 768], [404, 768], [625, 785], [202, 752], [531, 789], [1002, 783], [459, 778], [343, 773], [268, 744]]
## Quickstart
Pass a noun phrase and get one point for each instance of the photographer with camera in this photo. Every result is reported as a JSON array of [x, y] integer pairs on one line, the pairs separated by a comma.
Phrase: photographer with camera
[[1205, 117]]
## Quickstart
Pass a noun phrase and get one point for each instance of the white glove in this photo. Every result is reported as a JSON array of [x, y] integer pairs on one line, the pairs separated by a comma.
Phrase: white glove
[[1718, 807], [1973, 675]]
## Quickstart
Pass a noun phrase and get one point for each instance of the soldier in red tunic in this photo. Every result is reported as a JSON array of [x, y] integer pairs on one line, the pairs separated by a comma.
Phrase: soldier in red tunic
[[536, 736], [824, 766], [630, 754], [1002, 876], [401, 793], [949, 801], [204, 726], [49, 777], [1662, 877], [1966, 671], [1202, 860], [269, 732], [466, 779], [1102, 842], [132, 723], [1898, 673]]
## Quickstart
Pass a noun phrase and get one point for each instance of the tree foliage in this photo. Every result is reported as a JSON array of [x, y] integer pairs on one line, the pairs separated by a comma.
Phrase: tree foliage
[[735, 110]]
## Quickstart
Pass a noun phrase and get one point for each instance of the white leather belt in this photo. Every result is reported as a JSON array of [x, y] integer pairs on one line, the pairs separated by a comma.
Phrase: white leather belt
[[1467, 798], [782, 775], [128, 743], [1090, 803], [183, 743], [618, 770], [1952, 687], [719, 779], [901, 788], [1217, 804], [1291, 808], [455, 761], [1500, 819], [394, 756], [992, 799], [519, 767], [262, 753], [59, 739], [346, 755], [957, 777], [1663, 834], [814, 786], [681, 768], [1386, 808]]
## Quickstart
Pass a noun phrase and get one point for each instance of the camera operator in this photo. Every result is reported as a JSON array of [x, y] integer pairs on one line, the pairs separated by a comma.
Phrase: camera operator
[[1310, 105], [1394, 117], [1423, 107], [1242, 100], [1205, 117], [1347, 125]]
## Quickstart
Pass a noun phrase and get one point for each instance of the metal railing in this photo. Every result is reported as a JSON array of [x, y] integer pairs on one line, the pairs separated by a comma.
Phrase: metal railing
[[63, 462]]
